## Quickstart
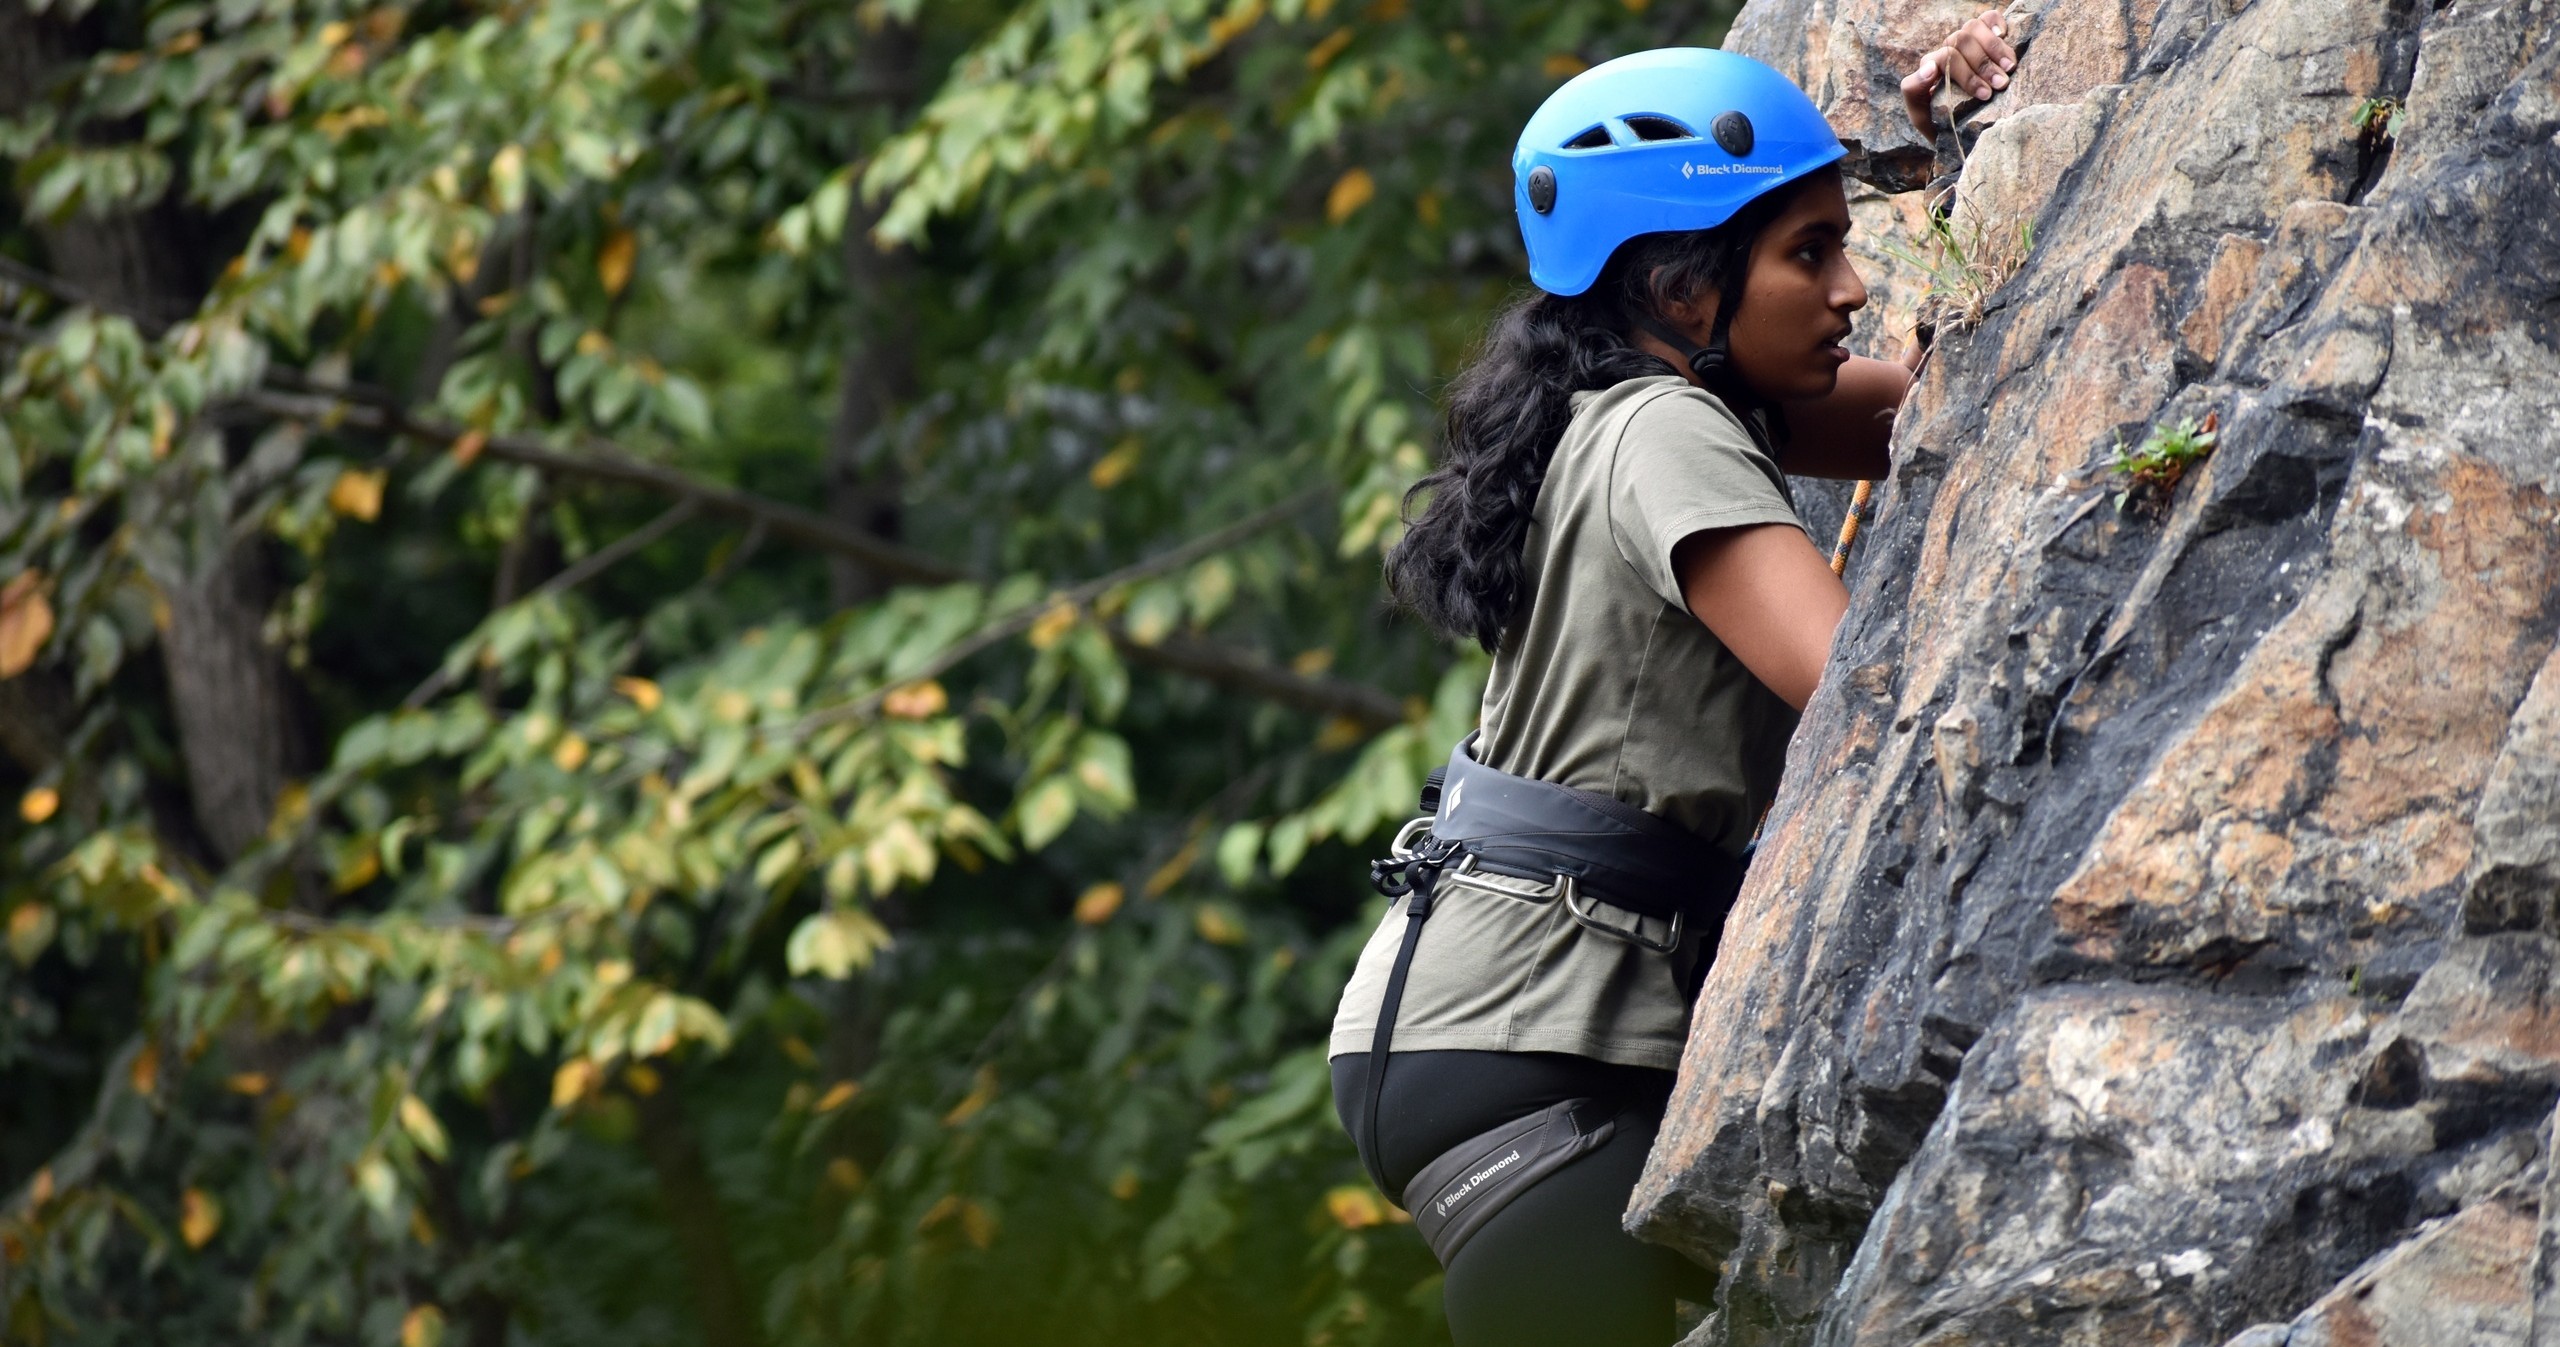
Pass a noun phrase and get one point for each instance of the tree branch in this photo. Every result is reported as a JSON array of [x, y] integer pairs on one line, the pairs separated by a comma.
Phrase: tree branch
[[604, 461], [1014, 624], [592, 565], [1238, 671]]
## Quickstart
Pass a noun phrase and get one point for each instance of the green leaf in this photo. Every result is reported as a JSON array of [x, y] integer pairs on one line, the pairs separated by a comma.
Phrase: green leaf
[[1238, 848], [835, 943], [1045, 811]]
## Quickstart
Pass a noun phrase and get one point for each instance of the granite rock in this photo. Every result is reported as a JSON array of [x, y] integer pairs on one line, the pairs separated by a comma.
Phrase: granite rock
[[2155, 939]]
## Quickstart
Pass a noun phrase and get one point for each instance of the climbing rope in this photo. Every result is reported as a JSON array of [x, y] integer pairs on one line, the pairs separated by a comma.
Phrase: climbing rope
[[1849, 524]]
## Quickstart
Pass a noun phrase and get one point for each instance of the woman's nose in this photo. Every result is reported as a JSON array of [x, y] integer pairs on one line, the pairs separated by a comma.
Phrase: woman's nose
[[1851, 296]]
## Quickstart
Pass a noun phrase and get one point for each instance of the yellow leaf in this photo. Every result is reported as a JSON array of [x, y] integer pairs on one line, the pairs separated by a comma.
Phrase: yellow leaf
[[1354, 1207], [643, 693], [1124, 1185], [1098, 903], [837, 1096], [26, 620], [916, 701], [1313, 662], [844, 1173], [1217, 925], [1426, 208], [613, 260], [506, 179], [1350, 192], [1340, 732], [643, 1079], [1239, 17], [420, 1228], [335, 32], [1171, 872], [357, 493], [1053, 625], [981, 1094], [1113, 468], [248, 1083], [360, 869], [199, 1216], [574, 1081], [420, 1123], [40, 1191], [38, 805], [467, 446], [593, 342], [1321, 54], [422, 1326], [570, 753], [977, 1224], [145, 1071], [31, 927]]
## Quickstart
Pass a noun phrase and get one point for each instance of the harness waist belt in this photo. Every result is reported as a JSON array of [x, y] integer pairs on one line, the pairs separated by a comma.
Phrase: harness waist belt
[[1537, 829]]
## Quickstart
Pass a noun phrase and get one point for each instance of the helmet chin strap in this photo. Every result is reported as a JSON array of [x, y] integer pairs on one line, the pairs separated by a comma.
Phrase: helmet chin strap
[[1711, 368]]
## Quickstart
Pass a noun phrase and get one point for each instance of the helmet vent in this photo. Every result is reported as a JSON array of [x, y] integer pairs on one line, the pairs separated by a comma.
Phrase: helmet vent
[[1659, 128], [1593, 139]]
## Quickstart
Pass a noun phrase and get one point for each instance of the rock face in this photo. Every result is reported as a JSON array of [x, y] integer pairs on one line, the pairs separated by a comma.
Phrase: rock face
[[2158, 940]]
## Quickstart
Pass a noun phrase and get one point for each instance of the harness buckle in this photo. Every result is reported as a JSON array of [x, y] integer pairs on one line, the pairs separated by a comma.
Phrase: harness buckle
[[1409, 864]]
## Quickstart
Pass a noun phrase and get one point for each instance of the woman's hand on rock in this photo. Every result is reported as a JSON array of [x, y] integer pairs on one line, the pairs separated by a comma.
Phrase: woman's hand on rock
[[1977, 57]]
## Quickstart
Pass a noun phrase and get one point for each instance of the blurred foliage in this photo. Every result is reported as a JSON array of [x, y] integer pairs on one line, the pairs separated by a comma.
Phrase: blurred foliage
[[710, 937]]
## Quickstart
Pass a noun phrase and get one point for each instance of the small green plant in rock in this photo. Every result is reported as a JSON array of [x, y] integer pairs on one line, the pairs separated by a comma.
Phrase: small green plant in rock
[[2378, 119], [1964, 266], [2150, 471]]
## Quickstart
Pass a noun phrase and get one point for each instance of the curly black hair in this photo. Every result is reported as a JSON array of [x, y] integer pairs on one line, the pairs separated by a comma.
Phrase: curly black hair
[[1460, 564]]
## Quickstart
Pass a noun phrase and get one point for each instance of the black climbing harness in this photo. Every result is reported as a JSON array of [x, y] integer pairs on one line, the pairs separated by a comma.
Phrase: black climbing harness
[[1510, 836]]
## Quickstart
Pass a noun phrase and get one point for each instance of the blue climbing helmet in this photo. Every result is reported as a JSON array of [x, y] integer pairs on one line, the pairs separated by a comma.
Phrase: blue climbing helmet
[[1657, 142]]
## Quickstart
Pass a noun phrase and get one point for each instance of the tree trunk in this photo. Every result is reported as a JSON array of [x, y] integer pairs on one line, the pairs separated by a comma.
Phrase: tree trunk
[[719, 1290], [237, 707], [863, 481]]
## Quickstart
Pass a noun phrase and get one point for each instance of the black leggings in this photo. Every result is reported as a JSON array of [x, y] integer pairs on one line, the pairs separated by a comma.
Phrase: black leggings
[[1555, 1266]]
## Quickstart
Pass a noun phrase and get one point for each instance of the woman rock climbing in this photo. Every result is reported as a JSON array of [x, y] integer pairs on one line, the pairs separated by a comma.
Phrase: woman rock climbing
[[1611, 520]]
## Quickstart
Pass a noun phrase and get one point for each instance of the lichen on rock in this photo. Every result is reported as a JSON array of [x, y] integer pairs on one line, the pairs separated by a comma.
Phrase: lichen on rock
[[2156, 938]]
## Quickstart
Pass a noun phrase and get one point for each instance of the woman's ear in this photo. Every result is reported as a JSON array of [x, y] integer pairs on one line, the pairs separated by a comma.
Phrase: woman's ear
[[1695, 315]]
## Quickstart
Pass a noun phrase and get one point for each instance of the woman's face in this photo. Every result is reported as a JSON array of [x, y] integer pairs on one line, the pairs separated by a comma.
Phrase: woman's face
[[1786, 340]]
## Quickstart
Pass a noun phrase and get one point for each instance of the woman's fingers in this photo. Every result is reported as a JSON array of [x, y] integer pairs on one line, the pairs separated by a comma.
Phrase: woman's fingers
[[1976, 59], [1918, 87], [1975, 70]]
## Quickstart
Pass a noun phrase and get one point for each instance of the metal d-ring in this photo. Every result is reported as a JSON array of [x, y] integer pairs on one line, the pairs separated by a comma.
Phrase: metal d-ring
[[1679, 924]]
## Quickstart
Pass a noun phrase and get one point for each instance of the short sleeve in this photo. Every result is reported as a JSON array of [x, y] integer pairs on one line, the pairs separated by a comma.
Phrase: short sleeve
[[1684, 465]]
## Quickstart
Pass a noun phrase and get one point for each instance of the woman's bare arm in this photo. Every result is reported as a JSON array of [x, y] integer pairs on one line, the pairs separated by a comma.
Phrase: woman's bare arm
[[1769, 596], [1844, 435]]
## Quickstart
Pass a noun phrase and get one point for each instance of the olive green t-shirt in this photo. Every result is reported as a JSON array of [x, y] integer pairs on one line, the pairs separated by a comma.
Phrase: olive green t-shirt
[[1607, 682]]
